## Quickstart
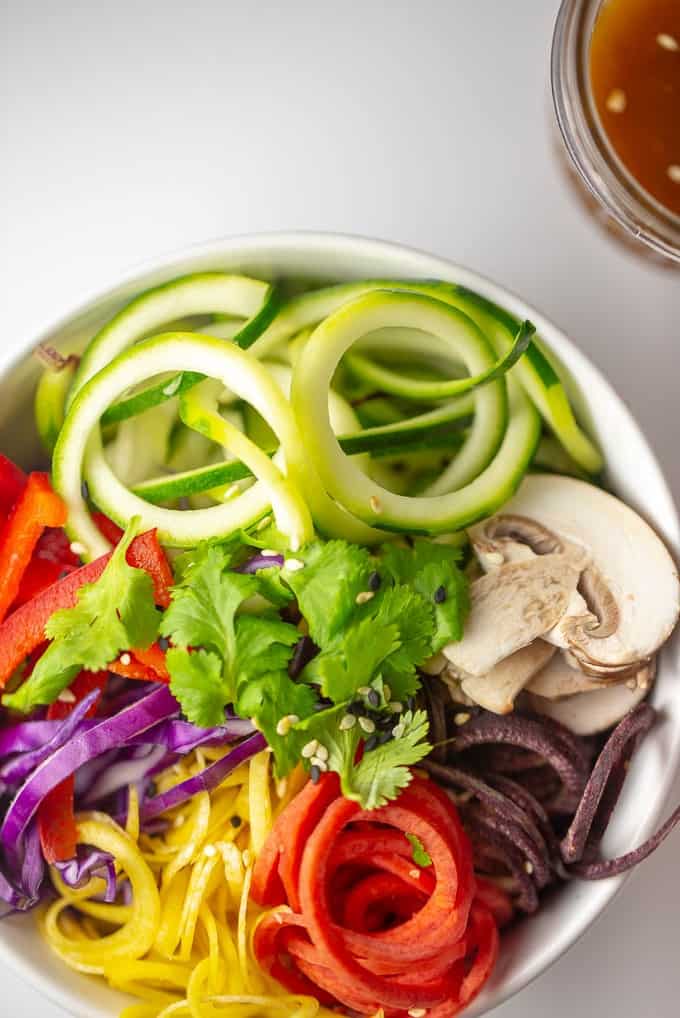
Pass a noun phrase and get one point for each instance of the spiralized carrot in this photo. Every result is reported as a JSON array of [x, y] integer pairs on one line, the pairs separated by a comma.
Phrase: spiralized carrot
[[183, 945]]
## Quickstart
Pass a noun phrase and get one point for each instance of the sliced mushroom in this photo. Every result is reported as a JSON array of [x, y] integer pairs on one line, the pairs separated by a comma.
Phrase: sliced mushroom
[[596, 711], [510, 608], [434, 665], [559, 679], [497, 690], [628, 597]]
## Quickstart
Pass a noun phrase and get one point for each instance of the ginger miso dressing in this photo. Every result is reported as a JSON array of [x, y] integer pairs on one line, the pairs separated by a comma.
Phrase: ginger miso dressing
[[635, 77]]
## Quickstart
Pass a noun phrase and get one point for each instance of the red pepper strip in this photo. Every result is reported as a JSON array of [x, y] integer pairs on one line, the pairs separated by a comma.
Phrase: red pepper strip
[[107, 528], [496, 900], [154, 658], [25, 628], [483, 948], [306, 960], [134, 670], [37, 507], [379, 889], [56, 818], [12, 483], [52, 560], [269, 949]]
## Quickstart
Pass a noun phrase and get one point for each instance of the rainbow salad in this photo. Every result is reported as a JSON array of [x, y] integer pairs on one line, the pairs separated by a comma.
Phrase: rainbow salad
[[324, 651]]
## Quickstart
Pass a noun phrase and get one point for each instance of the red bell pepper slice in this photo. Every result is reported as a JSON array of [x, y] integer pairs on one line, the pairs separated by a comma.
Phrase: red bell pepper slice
[[56, 817], [52, 560], [107, 528], [153, 658], [138, 668], [25, 628], [37, 507], [12, 483]]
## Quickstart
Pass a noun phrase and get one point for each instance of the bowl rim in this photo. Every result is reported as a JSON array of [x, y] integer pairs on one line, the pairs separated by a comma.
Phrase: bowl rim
[[417, 262]]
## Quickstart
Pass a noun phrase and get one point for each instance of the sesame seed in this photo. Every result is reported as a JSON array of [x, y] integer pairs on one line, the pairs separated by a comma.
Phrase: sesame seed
[[315, 774], [440, 595], [462, 718], [398, 730], [415, 874], [163, 642], [371, 742], [384, 737], [668, 42], [245, 855], [411, 703], [347, 722], [264, 523], [387, 692], [396, 706], [367, 725], [294, 719], [283, 726], [269, 553], [374, 581], [375, 504], [322, 753], [179, 820], [417, 1012], [318, 762], [235, 821], [78, 548], [293, 564], [172, 387], [373, 697], [364, 690], [125, 659], [210, 851], [356, 707], [85, 491], [673, 172], [309, 749], [66, 696], [281, 787], [364, 596], [528, 867], [616, 101], [232, 490]]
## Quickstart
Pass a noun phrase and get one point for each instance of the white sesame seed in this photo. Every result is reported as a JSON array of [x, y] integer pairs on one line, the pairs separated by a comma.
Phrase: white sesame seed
[[66, 696], [364, 596], [78, 548], [264, 523], [316, 761], [417, 1012], [616, 101], [210, 851], [387, 692], [293, 565], [281, 787], [309, 749], [125, 659], [283, 726], [398, 730], [364, 690], [528, 867], [245, 856], [293, 719], [322, 753], [415, 874], [375, 504], [396, 706], [673, 172], [172, 386], [462, 718], [668, 42], [269, 553], [232, 490], [347, 722], [367, 725]]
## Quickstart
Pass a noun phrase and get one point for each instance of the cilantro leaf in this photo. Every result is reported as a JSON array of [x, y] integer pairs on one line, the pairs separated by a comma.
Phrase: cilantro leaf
[[427, 567], [352, 658], [268, 698], [263, 644], [327, 588], [197, 683], [114, 614], [412, 615], [420, 856]]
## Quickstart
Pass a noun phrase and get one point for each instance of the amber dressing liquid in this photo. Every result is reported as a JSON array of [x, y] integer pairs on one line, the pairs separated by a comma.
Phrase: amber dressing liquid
[[635, 77]]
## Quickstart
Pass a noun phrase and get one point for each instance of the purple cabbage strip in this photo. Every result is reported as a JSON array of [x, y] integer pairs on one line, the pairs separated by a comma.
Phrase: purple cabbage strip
[[25, 736], [258, 562], [182, 737], [129, 771], [33, 864], [107, 734], [207, 779], [88, 863], [18, 769]]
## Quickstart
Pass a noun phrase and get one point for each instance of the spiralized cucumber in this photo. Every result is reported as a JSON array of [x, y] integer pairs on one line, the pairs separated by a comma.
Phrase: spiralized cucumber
[[348, 485], [50, 400]]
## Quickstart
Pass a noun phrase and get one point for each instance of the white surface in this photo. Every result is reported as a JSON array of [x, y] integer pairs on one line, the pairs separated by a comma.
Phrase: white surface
[[141, 127]]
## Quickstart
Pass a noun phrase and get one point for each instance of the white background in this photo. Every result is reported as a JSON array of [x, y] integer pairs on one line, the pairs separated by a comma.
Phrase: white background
[[133, 128]]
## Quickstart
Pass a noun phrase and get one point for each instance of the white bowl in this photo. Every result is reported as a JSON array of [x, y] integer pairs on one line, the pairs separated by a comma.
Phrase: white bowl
[[632, 471]]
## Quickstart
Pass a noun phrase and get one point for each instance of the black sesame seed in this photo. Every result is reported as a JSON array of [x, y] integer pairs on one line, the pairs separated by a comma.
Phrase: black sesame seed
[[440, 595], [235, 821], [85, 491], [374, 581], [411, 703], [315, 774], [151, 789], [357, 708], [63, 573], [384, 721], [374, 698], [371, 743], [163, 642], [384, 737]]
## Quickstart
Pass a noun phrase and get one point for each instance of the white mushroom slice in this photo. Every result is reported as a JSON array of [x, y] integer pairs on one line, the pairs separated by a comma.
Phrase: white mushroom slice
[[588, 713], [434, 665], [629, 587], [559, 679], [601, 673], [510, 608], [497, 690]]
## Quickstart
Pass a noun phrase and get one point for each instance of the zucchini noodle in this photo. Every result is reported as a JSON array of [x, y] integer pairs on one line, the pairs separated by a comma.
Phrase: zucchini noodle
[[182, 946]]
